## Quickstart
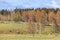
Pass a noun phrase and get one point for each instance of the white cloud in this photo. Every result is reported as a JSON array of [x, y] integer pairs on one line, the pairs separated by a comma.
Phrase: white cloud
[[53, 4]]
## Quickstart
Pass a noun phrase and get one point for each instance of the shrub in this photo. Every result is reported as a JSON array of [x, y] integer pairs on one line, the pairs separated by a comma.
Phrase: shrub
[[17, 18]]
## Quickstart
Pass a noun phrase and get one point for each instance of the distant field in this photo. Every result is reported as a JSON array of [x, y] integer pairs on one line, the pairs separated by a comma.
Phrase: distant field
[[8, 30], [13, 27], [28, 37], [6, 27]]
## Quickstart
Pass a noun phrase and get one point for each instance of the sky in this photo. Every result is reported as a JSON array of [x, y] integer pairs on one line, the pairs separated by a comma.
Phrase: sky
[[12, 4]]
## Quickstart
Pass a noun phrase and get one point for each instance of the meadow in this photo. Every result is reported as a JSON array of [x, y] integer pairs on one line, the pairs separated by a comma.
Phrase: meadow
[[11, 27], [9, 31], [7, 27], [28, 37]]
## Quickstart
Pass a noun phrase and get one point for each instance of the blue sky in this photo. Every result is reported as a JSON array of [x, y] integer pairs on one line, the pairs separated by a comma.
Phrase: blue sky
[[12, 4]]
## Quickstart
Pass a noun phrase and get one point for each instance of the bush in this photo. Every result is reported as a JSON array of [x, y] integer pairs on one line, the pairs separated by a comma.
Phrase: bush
[[17, 18]]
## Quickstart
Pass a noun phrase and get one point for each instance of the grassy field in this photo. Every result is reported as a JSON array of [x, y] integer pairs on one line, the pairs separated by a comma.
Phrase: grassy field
[[28, 37], [6, 27]]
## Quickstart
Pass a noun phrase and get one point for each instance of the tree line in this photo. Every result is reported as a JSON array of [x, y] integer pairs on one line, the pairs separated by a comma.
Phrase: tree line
[[41, 16]]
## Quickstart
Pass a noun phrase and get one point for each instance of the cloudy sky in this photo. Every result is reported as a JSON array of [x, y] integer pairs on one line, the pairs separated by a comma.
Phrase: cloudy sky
[[12, 4]]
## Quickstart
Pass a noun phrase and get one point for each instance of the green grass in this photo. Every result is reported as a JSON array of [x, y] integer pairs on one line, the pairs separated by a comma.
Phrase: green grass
[[22, 26], [28, 37], [6, 27]]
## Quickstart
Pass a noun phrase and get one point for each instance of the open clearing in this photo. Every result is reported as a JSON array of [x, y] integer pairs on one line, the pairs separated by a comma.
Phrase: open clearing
[[28, 37], [6, 27]]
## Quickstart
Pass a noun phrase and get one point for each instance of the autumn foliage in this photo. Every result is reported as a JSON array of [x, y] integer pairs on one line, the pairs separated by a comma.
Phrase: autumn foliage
[[32, 16]]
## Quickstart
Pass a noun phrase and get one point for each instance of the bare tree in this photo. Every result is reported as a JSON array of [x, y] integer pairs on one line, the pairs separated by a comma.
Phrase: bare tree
[[31, 22], [40, 18]]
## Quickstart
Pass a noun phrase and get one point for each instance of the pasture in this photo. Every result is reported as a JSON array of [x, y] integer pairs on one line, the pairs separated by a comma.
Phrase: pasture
[[9, 31], [28, 37]]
